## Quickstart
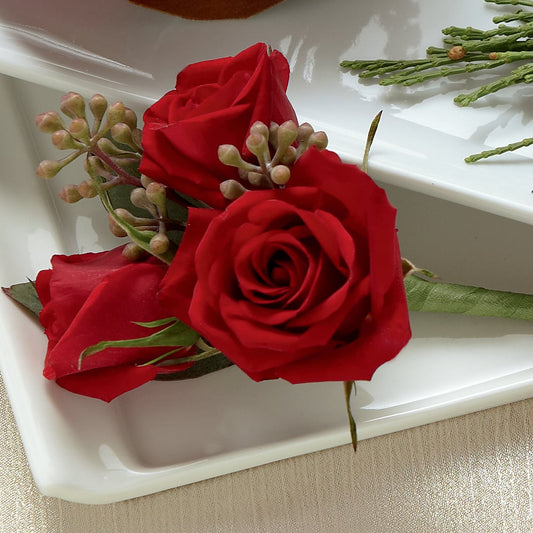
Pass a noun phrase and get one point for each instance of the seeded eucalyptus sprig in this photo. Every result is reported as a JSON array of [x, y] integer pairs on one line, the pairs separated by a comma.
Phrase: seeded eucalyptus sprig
[[137, 206], [467, 50]]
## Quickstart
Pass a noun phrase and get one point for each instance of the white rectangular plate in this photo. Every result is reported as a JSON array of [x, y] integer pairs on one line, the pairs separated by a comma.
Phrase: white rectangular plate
[[131, 52], [169, 434]]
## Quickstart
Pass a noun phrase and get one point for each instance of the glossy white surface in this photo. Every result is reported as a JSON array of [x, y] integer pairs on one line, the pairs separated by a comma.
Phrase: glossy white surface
[[131, 52], [168, 434]]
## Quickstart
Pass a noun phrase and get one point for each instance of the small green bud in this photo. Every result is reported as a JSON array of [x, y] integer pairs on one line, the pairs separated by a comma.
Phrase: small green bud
[[94, 165], [49, 122], [139, 198], [108, 147], [257, 179], [98, 106], [145, 180], [137, 136], [80, 130], [273, 134], [115, 114], [73, 105], [87, 189], [115, 228], [261, 128], [305, 131], [280, 174], [159, 244], [63, 140], [289, 157], [125, 215], [121, 133], [231, 189], [70, 194], [318, 139], [287, 133], [156, 194], [133, 252], [229, 155], [257, 144], [48, 169], [130, 118]]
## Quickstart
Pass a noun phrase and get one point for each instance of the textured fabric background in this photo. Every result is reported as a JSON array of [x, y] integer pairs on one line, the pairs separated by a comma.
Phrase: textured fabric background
[[468, 474]]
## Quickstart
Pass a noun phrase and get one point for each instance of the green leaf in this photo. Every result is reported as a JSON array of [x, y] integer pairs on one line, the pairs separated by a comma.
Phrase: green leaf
[[434, 296], [200, 368], [348, 387], [26, 295], [176, 334]]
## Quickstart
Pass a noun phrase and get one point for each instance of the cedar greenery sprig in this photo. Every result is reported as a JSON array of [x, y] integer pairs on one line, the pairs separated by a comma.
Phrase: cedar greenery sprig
[[467, 50]]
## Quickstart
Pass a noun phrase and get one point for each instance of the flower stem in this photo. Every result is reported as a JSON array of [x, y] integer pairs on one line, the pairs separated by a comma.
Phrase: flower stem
[[126, 178]]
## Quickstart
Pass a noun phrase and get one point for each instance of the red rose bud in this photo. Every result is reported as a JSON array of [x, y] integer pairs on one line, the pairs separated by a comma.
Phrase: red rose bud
[[214, 103], [70, 194], [231, 189], [280, 174], [80, 130], [73, 105], [48, 169], [95, 297], [63, 140], [98, 106], [49, 122]]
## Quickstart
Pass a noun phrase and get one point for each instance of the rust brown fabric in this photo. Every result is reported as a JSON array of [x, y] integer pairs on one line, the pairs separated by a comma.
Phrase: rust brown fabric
[[209, 9]]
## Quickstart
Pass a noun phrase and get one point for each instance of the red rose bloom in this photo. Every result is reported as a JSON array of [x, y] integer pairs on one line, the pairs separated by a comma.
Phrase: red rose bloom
[[95, 297], [303, 283], [215, 102]]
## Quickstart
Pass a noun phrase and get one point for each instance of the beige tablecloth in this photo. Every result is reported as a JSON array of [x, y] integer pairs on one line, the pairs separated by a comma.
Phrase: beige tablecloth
[[468, 474]]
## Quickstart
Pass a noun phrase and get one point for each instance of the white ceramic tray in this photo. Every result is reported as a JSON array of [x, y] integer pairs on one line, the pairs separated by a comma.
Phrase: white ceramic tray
[[167, 434], [128, 51]]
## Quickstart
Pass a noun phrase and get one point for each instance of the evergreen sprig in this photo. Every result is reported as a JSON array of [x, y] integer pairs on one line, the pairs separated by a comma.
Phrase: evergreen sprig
[[467, 50]]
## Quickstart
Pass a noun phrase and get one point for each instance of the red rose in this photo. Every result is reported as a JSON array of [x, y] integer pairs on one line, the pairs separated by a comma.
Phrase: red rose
[[95, 297], [303, 283], [215, 102]]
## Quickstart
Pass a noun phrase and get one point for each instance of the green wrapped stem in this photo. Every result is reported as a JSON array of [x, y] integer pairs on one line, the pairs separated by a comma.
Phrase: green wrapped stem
[[433, 296]]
